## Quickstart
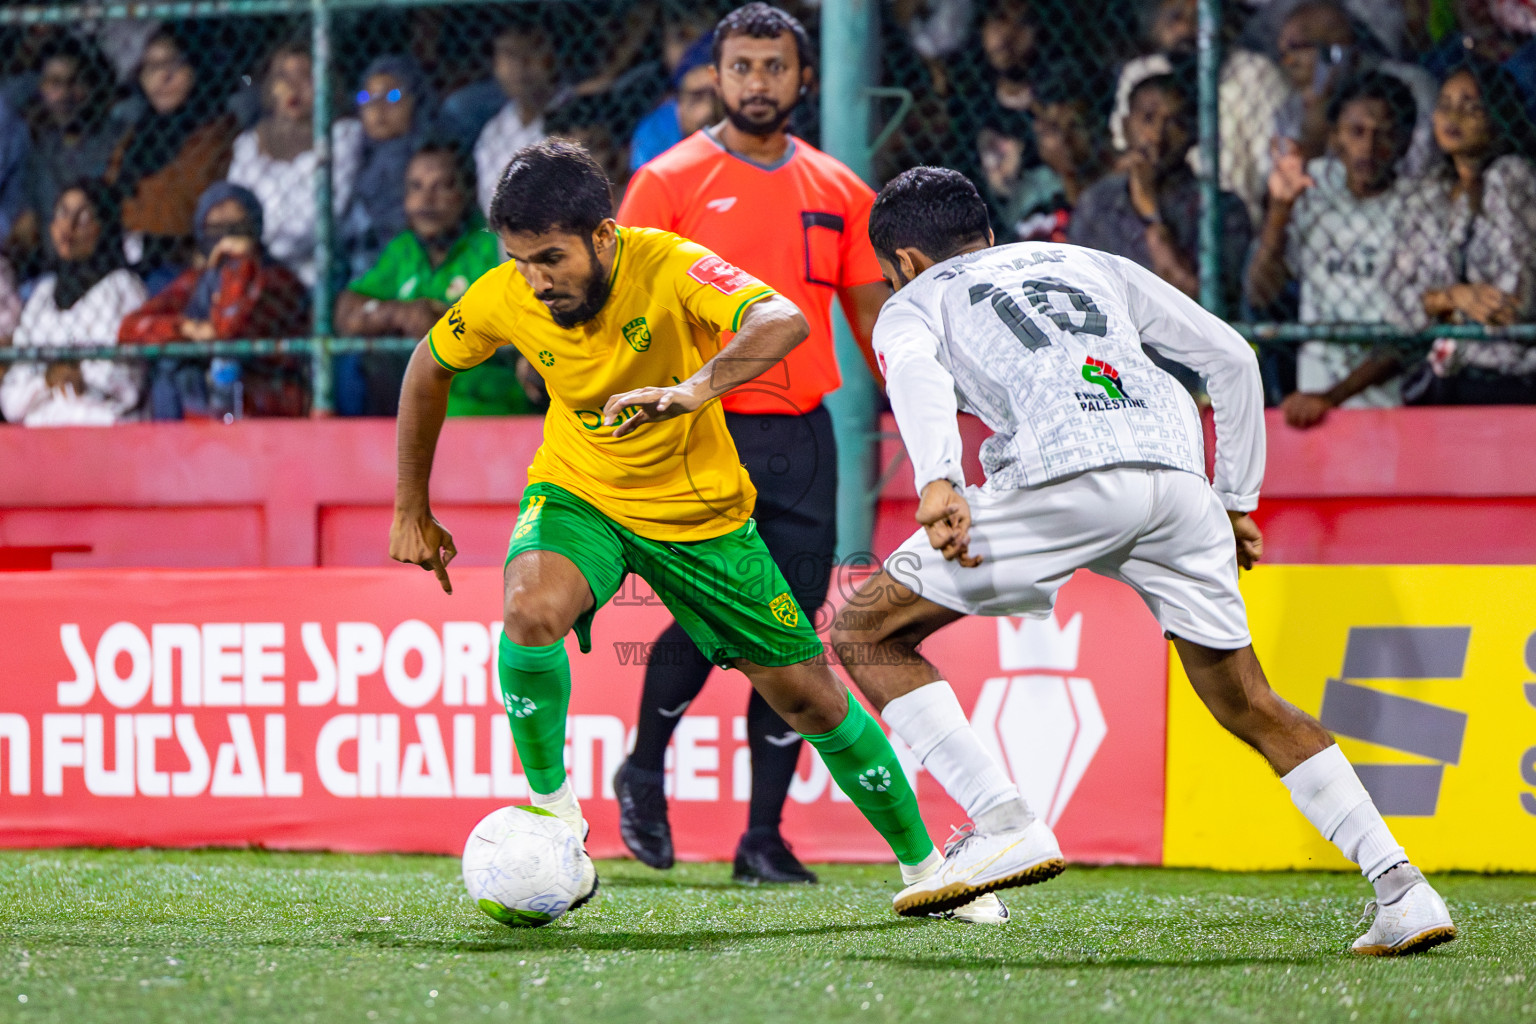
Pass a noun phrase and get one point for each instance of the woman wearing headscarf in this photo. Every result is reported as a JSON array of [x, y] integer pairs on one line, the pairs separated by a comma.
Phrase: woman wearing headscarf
[[394, 103], [177, 147], [80, 302], [276, 159], [236, 291], [1468, 254]]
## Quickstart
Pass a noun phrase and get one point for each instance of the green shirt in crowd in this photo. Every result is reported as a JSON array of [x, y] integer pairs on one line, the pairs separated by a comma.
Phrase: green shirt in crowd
[[404, 272]]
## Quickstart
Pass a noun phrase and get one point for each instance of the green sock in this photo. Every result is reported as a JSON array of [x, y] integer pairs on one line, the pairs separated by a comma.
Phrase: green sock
[[536, 689], [864, 766]]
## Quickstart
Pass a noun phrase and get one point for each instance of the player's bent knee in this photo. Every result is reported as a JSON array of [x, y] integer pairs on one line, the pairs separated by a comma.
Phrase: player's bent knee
[[534, 619]]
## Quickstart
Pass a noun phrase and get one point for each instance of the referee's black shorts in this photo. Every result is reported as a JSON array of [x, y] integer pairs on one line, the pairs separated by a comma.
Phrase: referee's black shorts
[[793, 463]]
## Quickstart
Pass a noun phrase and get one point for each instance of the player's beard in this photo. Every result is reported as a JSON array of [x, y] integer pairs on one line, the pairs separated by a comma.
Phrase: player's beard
[[591, 302], [771, 127]]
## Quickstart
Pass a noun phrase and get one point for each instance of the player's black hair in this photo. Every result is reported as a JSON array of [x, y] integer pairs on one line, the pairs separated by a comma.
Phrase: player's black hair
[[758, 20], [931, 209], [548, 186], [463, 166], [1389, 89]]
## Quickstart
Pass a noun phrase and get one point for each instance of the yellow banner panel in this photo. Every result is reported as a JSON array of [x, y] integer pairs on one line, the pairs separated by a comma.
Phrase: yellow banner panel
[[1426, 674]]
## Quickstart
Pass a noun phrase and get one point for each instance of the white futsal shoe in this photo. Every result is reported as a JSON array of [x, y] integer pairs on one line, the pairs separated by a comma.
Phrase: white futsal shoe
[[976, 863], [984, 909], [1417, 922]]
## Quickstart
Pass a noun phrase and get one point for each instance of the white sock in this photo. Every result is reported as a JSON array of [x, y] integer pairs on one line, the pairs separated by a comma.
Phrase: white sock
[[917, 872], [929, 720], [1328, 793], [562, 804]]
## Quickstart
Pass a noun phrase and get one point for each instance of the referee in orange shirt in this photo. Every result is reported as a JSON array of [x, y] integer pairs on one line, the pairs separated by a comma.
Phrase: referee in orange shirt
[[797, 220]]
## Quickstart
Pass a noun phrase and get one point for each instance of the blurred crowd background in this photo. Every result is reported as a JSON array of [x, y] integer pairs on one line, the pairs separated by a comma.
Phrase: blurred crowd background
[[158, 177]]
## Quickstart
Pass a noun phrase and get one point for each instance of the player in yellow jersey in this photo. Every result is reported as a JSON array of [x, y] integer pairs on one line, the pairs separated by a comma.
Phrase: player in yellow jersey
[[637, 473]]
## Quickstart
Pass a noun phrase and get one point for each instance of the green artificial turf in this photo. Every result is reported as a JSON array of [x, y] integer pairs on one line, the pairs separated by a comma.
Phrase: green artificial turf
[[129, 936]]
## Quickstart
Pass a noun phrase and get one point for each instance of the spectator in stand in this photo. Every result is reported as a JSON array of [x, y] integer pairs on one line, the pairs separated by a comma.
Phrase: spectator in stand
[[1319, 52], [588, 121], [691, 105], [395, 105], [1149, 211], [72, 134], [276, 159], [1470, 254], [15, 146], [177, 148], [1499, 31], [81, 300], [422, 272], [524, 64], [234, 291], [1333, 225], [1251, 92], [1036, 202]]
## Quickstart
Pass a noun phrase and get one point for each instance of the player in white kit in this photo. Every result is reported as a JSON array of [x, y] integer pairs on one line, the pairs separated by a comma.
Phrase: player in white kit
[[1097, 462]]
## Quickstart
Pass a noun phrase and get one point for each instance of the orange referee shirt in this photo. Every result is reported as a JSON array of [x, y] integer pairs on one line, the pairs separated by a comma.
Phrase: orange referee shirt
[[801, 227]]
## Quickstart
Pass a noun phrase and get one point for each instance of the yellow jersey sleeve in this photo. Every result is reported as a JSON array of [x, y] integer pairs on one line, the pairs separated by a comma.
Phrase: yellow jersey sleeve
[[710, 290], [475, 326]]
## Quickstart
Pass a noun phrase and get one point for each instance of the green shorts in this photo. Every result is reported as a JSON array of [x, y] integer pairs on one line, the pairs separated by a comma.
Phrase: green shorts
[[725, 592]]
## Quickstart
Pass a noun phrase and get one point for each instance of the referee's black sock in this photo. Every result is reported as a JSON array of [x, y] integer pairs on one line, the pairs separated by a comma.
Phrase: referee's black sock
[[673, 678], [775, 751]]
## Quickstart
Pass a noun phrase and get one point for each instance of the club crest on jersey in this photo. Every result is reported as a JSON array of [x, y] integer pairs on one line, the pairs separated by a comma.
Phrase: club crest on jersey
[[638, 334], [720, 275], [785, 610]]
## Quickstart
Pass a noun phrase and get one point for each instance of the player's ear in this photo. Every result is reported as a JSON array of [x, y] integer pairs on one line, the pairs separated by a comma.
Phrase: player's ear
[[603, 237]]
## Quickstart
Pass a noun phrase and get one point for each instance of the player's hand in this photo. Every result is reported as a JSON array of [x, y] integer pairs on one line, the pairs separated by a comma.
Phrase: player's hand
[[1250, 540], [945, 516], [421, 540], [648, 405], [1302, 410]]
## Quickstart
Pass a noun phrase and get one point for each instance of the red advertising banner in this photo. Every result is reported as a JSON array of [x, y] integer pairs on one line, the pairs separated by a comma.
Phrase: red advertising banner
[[359, 710]]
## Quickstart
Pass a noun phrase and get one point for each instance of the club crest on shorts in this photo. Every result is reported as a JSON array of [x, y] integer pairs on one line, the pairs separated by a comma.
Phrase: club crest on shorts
[[638, 334], [785, 610]]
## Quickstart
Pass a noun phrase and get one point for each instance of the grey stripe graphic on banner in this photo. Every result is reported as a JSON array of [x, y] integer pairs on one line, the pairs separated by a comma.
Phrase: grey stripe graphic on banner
[[1406, 652], [1412, 725], [1410, 790]]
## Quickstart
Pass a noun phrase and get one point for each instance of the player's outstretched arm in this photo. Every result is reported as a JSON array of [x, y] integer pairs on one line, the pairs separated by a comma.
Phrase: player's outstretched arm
[[415, 536], [769, 329]]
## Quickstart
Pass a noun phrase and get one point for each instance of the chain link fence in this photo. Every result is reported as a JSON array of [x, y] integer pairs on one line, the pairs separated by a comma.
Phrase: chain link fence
[[268, 235]]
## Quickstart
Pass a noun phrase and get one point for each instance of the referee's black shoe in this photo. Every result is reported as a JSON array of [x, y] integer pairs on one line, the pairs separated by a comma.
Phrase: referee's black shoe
[[643, 815], [763, 856]]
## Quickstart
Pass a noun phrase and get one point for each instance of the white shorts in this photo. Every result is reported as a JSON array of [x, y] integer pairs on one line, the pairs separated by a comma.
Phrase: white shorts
[[1163, 531]]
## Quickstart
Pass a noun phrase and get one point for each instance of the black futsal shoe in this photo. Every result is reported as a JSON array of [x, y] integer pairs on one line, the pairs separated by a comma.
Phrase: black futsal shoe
[[643, 815], [763, 857]]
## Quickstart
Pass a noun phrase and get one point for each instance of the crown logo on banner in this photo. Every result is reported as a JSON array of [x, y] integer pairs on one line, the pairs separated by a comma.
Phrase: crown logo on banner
[[1038, 643]]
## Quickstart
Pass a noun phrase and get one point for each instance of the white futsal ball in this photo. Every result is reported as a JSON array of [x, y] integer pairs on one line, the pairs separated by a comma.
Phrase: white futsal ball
[[525, 867]]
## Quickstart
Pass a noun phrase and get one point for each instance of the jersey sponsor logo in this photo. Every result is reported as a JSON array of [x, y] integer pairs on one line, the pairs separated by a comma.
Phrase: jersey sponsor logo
[[785, 610], [721, 205], [456, 322], [638, 334], [720, 275]]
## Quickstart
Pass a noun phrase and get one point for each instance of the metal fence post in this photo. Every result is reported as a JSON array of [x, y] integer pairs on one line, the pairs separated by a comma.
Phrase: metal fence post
[[847, 67], [1210, 156], [320, 353]]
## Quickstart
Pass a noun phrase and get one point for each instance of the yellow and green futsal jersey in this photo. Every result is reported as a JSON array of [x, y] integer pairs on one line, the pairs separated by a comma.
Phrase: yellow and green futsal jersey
[[674, 480]]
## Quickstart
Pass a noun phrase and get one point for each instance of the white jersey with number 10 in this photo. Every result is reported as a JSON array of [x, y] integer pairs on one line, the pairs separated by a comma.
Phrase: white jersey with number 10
[[1044, 343]]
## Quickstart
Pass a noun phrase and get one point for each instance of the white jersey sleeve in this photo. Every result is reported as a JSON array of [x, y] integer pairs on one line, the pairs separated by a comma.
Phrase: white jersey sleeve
[[922, 395], [1179, 328]]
